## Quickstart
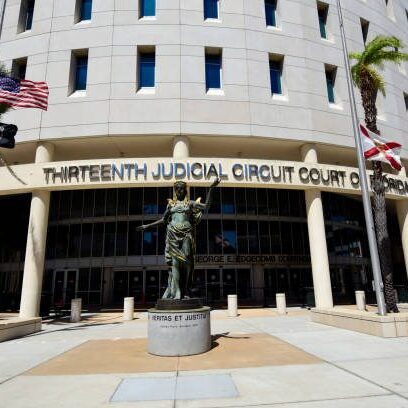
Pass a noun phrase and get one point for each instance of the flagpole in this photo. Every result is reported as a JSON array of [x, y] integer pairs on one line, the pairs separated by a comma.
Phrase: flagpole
[[372, 240], [2, 9]]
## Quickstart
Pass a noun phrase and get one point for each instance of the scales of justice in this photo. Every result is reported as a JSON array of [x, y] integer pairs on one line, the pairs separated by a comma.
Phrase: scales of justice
[[180, 323]]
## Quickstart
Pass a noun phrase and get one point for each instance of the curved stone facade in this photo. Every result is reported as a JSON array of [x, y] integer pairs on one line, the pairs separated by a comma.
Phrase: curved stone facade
[[112, 107]]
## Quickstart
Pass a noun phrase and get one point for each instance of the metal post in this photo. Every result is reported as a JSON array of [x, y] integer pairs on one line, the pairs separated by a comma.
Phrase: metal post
[[2, 10], [372, 240]]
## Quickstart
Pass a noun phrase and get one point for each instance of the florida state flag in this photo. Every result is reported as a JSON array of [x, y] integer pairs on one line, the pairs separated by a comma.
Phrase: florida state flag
[[377, 148]]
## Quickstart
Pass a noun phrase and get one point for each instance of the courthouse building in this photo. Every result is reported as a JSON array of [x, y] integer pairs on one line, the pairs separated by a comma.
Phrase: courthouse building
[[146, 92]]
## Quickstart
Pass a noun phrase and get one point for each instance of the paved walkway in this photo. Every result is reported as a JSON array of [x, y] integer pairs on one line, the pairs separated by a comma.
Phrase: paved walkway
[[259, 360]]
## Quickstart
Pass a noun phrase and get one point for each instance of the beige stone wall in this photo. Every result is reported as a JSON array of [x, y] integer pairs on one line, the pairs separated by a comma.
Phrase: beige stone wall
[[112, 107]]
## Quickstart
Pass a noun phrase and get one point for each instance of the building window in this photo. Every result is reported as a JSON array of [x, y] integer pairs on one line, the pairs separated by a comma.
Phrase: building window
[[270, 12], [79, 71], [364, 29], [25, 20], [330, 82], [406, 101], [86, 10], [146, 68], [211, 9], [29, 14], [213, 70], [83, 10], [147, 8], [275, 73], [390, 9], [323, 11], [19, 67]]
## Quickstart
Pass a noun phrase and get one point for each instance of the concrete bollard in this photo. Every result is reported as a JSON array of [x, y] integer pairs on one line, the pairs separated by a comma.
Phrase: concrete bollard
[[232, 305], [360, 300], [281, 303], [76, 307], [128, 309]]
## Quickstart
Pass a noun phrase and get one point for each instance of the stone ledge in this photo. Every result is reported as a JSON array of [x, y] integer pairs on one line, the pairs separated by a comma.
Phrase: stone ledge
[[403, 307], [392, 325], [16, 327]]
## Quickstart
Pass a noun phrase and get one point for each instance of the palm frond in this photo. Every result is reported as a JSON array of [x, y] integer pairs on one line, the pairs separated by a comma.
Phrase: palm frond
[[378, 44], [378, 51], [389, 56], [355, 55], [356, 74]]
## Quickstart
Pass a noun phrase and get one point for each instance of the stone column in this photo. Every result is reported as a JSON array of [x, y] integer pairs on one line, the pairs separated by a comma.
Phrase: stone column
[[181, 148], [36, 241], [317, 239], [402, 212]]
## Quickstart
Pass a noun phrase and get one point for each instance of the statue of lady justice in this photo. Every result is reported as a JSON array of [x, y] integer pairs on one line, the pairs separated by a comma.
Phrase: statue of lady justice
[[180, 218]]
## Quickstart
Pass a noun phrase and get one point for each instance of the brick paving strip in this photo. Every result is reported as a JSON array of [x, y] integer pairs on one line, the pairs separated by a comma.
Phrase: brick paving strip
[[130, 356]]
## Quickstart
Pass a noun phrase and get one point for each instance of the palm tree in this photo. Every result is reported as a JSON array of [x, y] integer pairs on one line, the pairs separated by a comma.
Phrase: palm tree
[[365, 75]]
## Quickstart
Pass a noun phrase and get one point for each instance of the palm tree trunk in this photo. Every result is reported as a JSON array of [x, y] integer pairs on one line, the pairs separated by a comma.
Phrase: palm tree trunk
[[369, 96], [383, 239]]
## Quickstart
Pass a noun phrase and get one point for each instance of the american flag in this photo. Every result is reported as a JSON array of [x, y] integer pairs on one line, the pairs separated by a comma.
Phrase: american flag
[[21, 93]]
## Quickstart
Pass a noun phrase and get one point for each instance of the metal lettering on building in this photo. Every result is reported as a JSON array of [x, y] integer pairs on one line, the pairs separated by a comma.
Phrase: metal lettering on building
[[273, 259], [297, 174]]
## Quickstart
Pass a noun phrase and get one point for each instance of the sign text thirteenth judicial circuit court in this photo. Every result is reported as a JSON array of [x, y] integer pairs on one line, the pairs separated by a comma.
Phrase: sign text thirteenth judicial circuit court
[[296, 174]]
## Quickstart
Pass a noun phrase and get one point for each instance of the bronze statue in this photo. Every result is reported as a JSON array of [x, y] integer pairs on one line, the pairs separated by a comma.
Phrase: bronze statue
[[180, 218]]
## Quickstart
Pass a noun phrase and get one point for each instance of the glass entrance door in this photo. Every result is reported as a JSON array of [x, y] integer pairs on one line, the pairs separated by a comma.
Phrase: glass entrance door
[[216, 284], [65, 286], [152, 286], [127, 284], [136, 285], [276, 281], [244, 283], [146, 286], [295, 282], [213, 284], [120, 286]]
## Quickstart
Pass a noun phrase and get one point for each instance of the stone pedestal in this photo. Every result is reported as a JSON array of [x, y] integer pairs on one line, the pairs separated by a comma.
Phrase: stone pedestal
[[181, 332]]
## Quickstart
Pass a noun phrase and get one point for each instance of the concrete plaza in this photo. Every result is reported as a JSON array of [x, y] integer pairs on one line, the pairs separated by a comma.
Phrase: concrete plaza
[[259, 359]]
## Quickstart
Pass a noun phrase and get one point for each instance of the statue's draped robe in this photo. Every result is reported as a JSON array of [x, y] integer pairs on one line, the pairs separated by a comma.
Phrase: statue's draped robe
[[180, 238]]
